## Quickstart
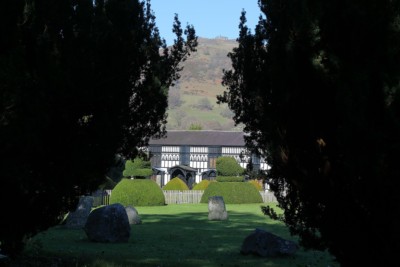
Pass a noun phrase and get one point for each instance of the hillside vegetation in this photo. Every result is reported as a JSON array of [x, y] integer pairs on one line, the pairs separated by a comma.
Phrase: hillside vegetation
[[192, 101]]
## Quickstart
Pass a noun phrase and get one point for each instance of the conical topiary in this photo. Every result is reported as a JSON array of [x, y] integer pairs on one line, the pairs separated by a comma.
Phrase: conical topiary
[[176, 184]]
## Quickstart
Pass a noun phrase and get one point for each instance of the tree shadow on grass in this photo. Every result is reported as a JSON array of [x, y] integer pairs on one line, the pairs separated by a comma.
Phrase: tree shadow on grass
[[183, 239]]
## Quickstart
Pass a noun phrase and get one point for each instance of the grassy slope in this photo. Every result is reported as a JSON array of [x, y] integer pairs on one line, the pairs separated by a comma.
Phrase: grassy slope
[[176, 235], [201, 77]]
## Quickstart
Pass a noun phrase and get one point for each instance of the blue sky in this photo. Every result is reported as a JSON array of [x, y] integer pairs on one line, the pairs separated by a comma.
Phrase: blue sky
[[210, 18]]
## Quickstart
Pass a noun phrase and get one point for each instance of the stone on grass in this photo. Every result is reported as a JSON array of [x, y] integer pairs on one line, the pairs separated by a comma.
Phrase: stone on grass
[[133, 215], [216, 209], [265, 244], [77, 219], [108, 224]]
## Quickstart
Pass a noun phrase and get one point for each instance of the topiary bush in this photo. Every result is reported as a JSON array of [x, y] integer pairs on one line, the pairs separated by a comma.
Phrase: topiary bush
[[228, 166], [256, 184], [137, 192], [202, 185], [176, 184], [137, 168], [233, 193]]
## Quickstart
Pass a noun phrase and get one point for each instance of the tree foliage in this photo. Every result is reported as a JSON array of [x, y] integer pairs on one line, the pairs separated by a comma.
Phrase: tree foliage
[[317, 88], [80, 81]]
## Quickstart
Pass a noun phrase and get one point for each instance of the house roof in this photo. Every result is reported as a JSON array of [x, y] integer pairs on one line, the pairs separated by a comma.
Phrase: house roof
[[201, 138], [158, 170]]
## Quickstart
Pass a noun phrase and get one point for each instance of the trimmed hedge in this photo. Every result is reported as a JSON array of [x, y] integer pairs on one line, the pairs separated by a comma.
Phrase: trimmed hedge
[[176, 184], [233, 193], [229, 179], [141, 173], [137, 192], [228, 166], [202, 185]]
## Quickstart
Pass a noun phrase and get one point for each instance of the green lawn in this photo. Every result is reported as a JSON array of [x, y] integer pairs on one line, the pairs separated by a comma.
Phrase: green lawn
[[174, 235]]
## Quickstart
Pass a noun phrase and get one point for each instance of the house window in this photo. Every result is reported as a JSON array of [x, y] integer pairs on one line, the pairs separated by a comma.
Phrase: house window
[[199, 158], [170, 156]]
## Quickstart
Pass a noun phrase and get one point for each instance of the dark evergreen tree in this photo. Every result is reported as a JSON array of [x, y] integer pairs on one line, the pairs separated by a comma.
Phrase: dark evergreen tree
[[80, 82], [317, 88]]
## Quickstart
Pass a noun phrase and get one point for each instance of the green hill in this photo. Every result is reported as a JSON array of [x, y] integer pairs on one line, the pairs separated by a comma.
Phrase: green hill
[[193, 99]]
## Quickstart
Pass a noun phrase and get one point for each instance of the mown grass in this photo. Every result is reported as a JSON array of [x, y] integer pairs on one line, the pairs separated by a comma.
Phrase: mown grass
[[173, 235]]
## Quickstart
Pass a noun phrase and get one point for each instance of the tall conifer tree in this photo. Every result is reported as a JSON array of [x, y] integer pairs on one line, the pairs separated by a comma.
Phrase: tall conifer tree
[[80, 81], [317, 88]]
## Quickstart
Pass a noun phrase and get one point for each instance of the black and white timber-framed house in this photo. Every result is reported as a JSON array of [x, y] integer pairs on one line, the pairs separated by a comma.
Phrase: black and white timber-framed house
[[192, 155]]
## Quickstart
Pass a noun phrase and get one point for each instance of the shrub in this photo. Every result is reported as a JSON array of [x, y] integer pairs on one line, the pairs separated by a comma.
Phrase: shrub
[[195, 127], [176, 184], [233, 193], [137, 168], [141, 173], [256, 184], [230, 179], [137, 192], [202, 185], [228, 166]]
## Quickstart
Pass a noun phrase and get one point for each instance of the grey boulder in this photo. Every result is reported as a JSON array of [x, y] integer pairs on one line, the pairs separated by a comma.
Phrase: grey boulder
[[108, 224], [216, 209], [265, 244], [133, 215]]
